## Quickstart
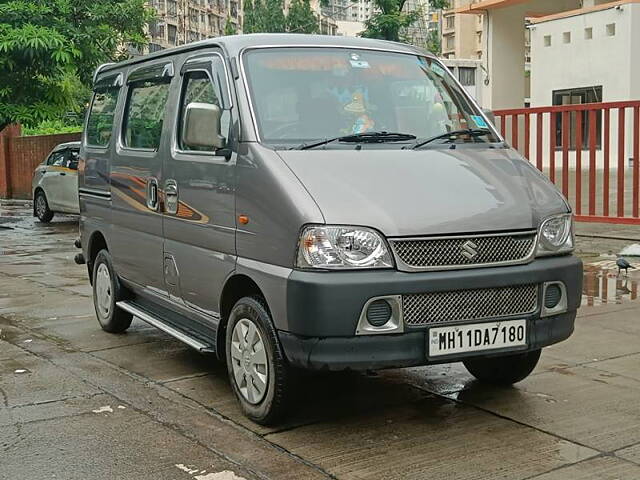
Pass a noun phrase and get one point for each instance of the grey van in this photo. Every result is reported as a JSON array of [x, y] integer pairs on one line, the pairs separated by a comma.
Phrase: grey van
[[309, 202]]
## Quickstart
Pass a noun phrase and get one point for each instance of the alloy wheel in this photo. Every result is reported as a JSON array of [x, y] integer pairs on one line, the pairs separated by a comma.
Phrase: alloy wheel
[[249, 361]]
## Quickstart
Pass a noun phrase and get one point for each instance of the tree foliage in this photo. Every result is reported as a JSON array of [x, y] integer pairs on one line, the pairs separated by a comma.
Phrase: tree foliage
[[267, 16], [390, 19], [229, 27], [301, 18], [49, 50]]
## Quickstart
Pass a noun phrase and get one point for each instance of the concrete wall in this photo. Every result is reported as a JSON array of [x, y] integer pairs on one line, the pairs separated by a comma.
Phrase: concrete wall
[[607, 61], [602, 60], [19, 156]]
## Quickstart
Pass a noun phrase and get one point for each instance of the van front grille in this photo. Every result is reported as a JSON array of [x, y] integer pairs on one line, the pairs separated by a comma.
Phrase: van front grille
[[475, 304], [441, 253]]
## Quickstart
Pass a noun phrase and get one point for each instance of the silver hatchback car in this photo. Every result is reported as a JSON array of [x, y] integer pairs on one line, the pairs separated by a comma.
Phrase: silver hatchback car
[[323, 203], [55, 183]]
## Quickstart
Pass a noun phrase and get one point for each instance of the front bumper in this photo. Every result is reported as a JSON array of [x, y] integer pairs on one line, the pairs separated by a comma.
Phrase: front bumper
[[323, 309]]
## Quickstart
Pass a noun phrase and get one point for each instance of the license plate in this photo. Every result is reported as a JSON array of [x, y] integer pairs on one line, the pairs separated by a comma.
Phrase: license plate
[[478, 337]]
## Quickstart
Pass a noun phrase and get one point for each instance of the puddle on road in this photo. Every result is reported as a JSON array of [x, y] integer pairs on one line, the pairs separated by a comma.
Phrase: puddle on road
[[603, 285]]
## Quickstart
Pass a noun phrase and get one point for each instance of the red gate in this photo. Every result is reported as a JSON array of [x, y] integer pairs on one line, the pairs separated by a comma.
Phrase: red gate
[[591, 151]]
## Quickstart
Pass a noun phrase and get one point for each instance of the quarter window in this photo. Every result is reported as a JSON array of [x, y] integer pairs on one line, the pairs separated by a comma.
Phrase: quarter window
[[145, 114], [198, 88], [100, 122]]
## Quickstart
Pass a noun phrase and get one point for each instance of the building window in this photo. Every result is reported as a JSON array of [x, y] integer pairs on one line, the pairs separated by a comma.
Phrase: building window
[[172, 31], [547, 40], [566, 37], [172, 8], [450, 42], [588, 33], [578, 96], [611, 30], [451, 22], [467, 76]]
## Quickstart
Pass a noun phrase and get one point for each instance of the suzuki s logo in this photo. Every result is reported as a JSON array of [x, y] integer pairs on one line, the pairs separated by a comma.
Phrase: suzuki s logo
[[469, 250]]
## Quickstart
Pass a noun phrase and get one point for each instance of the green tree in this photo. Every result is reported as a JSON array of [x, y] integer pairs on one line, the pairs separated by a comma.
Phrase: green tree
[[229, 27], [49, 50], [434, 45], [301, 19], [390, 19]]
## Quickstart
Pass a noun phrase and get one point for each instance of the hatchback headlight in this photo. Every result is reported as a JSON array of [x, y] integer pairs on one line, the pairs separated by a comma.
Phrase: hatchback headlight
[[556, 235], [342, 247]]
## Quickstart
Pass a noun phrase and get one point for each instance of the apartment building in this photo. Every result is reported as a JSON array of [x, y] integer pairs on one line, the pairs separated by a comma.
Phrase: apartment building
[[348, 10], [462, 35], [186, 21], [418, 33]]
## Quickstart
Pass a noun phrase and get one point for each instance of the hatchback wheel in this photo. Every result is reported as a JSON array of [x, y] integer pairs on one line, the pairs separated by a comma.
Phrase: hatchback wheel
[[258, 371], [41, 207], [106, 292], [503, 370]]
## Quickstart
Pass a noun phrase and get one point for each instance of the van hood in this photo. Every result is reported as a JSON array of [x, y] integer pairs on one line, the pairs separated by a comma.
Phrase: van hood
[[426, 192]]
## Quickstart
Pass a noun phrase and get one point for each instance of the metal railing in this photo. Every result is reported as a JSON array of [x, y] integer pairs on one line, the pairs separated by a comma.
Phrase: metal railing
[[591, 151]]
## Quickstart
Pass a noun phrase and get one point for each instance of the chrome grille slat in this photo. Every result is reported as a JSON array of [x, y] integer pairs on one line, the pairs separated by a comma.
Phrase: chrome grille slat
[[450, 252], [474, 304]]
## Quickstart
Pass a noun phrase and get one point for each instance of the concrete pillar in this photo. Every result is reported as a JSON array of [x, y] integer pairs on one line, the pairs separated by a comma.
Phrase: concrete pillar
[[505, 58]]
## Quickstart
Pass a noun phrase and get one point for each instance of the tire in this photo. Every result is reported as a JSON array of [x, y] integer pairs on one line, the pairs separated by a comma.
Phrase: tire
[[106, 292], [503, 370], [249, 326], [41, 207]]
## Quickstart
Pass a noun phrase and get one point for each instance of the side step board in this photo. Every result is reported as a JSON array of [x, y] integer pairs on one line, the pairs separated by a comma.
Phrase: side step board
[[166, 327]]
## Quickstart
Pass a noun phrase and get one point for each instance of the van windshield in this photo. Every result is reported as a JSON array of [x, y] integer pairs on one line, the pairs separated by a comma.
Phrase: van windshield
[[301, 95]]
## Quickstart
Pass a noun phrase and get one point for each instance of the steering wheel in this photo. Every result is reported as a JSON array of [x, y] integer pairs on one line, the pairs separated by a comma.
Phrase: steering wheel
[[284, 128]]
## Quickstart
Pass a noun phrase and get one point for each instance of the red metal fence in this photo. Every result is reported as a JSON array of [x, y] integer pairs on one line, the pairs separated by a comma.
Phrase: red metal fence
[[591, 151]]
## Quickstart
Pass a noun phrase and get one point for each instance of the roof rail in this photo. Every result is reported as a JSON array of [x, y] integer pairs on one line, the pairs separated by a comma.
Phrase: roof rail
[[100, 67]]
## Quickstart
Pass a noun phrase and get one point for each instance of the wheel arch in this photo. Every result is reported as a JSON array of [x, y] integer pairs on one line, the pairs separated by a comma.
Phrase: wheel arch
[[236, 287], [97, 242]]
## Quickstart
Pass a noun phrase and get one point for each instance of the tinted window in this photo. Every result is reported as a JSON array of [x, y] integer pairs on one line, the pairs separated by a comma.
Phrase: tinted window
[[145, 114], [198, 88], [100, 123]]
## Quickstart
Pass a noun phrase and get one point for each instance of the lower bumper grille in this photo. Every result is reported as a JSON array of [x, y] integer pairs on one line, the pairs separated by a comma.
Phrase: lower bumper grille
[[475, 304]]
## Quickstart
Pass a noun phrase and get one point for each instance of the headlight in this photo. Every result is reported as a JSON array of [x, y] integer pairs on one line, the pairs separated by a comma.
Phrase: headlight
[[342, 247], [556, 235]]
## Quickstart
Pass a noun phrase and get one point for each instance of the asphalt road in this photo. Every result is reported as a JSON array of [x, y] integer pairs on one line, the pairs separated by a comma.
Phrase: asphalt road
[[79, 403]]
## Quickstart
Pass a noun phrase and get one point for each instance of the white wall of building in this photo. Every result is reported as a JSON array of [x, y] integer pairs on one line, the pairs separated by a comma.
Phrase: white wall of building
[[607, 61], [600, 61]]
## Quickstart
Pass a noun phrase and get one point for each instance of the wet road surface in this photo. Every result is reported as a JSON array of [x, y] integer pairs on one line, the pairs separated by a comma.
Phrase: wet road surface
[[79, 403]]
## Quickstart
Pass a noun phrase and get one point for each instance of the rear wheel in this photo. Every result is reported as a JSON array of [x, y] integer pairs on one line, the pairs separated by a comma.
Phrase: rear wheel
[[258, 371], [41, 207], [106, 292], [503, 370]]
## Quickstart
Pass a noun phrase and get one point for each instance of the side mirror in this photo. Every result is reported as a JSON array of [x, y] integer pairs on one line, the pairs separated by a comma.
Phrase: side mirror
[[489, 114], [201, 126]]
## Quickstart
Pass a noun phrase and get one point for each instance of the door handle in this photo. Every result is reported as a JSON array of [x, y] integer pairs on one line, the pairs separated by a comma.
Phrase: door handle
[[152, 193], [171, 196], [62, 174]]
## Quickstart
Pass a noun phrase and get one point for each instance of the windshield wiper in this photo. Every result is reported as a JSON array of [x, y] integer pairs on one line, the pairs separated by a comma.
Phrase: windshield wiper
[[368, 137], [473, 132]]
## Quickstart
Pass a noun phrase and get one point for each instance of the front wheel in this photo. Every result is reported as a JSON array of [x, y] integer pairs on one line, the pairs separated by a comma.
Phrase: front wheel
[[258, 370], [41, 207], [503, 370]]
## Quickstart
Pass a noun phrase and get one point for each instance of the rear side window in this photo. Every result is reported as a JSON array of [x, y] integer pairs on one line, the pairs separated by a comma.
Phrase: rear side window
[[145, 113], [100, 122]]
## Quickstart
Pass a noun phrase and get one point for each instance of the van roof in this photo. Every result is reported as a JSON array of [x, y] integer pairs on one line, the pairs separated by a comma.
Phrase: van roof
[[233, 44]]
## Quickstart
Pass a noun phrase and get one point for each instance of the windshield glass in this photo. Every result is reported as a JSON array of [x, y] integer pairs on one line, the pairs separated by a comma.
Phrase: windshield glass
[[305, 94]]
